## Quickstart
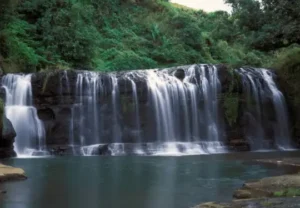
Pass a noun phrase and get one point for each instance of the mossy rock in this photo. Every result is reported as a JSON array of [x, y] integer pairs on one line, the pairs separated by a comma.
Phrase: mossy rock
[[211, 205], [280, 186], [290, 192], [231, 106]]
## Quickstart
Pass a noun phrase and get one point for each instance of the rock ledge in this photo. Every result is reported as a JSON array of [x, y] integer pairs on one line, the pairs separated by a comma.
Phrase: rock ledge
[[256, 203], [8, 173]]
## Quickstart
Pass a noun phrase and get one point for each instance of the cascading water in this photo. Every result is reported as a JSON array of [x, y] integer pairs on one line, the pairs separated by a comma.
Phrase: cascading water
[[210, 88], [209, 85], [65, 84], [177, 108], [136, 116], [116, 108], [182, 115], [281, 129], [259, 85], [160, 92], [85, 110], [253, 87], [30, 132], [146, 112]]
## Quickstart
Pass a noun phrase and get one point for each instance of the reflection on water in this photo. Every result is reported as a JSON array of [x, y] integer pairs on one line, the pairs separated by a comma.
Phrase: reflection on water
[[131, 182]]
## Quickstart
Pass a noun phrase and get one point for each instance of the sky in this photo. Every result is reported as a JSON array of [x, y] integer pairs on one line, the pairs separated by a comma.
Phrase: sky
[[206, 5]]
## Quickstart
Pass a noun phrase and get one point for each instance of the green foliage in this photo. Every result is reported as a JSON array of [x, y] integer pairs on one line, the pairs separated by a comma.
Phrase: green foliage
[[116, 34], [46, 79], [231, 105], [290, 192], [20, 46], [133, 34], [287, 64], [279, 194], [268, 24], [127, 105], [231, 100], [287, 60]]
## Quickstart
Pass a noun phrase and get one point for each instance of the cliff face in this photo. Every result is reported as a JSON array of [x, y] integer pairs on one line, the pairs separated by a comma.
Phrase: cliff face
[[7, 139], [8, 133], [194, 104]]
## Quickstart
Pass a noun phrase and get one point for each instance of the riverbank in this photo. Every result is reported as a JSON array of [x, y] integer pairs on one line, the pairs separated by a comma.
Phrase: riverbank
[[275, 192], [8, 173]]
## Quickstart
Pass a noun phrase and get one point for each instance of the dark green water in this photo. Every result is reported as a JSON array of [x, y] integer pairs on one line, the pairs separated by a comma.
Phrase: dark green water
[[132, 182]]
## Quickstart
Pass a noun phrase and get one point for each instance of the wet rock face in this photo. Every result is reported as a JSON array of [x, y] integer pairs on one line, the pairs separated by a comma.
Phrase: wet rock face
[[59, 105], [180, 74], [69, 113], [7, 139], [56, 98]]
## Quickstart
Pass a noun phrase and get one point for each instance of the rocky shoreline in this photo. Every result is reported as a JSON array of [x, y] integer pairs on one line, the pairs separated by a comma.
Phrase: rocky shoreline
[[272, 192]]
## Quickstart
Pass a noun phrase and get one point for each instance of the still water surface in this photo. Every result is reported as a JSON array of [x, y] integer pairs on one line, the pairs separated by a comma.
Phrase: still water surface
[[133, 182]]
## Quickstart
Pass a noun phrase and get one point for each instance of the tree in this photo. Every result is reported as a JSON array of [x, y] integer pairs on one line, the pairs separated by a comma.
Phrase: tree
[[271, 23]]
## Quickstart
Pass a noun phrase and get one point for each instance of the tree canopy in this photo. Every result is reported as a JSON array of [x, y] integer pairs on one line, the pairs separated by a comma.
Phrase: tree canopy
[[131, 34], [271, 24]]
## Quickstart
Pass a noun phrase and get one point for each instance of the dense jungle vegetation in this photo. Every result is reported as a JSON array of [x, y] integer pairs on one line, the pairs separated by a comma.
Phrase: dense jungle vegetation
[[130, 34]]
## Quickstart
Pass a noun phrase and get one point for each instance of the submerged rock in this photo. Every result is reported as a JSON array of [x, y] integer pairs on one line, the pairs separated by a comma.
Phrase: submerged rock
[[8, 173]]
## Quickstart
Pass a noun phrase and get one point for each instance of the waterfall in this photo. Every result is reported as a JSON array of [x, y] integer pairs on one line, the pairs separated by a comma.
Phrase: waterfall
[[136, 106], [281, 128], [209, 85], [65, 88], [85, 110], [186, 110], [20, 111], [80, 95], [160, 91], [259, 85], [146, 112], [182, 115], [253, 87], [116, 108]]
